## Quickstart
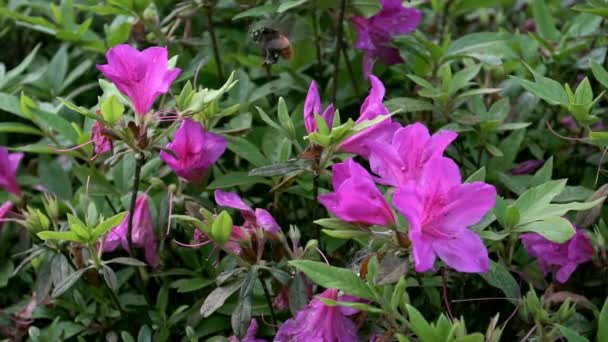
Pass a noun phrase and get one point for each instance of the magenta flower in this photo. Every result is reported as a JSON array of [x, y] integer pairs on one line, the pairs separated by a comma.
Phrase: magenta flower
[[561, 257], [439, 209], [102, 143], [375, 33], [252, 330], [195, 150], [382, 132], [312, 106], [4, 210], [258, 218], [142, 234], [142, 76], [527, 167], [9, 163], [402, 160], [356, 198], [319, 322]]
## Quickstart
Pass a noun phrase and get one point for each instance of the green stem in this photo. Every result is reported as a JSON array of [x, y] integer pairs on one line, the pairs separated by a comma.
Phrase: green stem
[[340, 30], [216, 51], [269, 302]]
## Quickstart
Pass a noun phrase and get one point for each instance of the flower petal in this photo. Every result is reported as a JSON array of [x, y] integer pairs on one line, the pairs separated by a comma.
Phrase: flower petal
[[464, 252]]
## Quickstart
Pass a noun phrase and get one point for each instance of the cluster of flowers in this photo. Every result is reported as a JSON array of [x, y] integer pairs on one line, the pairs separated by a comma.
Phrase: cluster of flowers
[[425, 186]]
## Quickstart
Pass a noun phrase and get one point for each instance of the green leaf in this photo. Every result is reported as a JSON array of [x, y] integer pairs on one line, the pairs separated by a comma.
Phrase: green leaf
[[222, 228], [544, 21], [54, 178], [420, 326], [499, 277], [547, 89], [461, 78], [600, 74], [57, 69], [111, 109], [556, 229], [334, 277], [61, 236], [602, 323], [354, 305], [68, 282], [108, 224], [17, 127], [236, 178], [280, 169], [246, 150], [217, 298], [534, 201], [571, 335], [289, 4], [257, 11], [126, 261], [477, 176], [408, 105]]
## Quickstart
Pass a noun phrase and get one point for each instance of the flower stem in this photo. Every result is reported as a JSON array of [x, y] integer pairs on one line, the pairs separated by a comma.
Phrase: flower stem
[[139, 161], [216, 51], [315, 28], [339, 32], [445, 294], [269, 302], [349, 67]]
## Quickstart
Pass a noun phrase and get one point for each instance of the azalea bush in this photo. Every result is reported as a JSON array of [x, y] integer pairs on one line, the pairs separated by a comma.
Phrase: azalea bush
[[303, 170]]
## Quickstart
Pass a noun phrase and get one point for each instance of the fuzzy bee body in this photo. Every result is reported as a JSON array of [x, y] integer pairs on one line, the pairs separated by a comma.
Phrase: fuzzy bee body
[[275, 44]]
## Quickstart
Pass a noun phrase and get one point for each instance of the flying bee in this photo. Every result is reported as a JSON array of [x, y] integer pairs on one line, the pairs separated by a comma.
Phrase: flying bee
[[275, 44]]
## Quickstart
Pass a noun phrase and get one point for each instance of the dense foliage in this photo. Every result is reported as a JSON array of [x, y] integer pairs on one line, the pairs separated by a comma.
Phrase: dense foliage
[[303, 170]]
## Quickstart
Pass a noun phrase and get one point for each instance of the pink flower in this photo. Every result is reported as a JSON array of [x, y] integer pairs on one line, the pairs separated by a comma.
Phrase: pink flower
[[142, 76], [439, 209], [4, 210], [411, 148], [375, 33], [527, 167], [9, 163], [561, 257], [195, 150], [356, 198], [372, 107], [312, 106], [102, 143], [258, 218], [142, 234], [252, 330], [319, 322]]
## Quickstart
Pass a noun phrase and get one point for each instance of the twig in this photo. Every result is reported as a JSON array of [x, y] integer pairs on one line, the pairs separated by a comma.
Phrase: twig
[[445, 294], [216, 52], [528, 334], [340, 30], [269, 302], [315, 28], [349, 67], [111, 205]]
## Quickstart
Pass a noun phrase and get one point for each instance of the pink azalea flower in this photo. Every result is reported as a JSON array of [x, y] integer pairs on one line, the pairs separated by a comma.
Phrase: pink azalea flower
[[402, 160], [319, 322], [356, 198], [527, 167], [375, 33], [382, 132], [4, 210], [563, 258], [195, 151], [102, 143], [142, 76], [252, 330], [259, 218], [9, 163], [142, 234], [312, 106], [439, 209]]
